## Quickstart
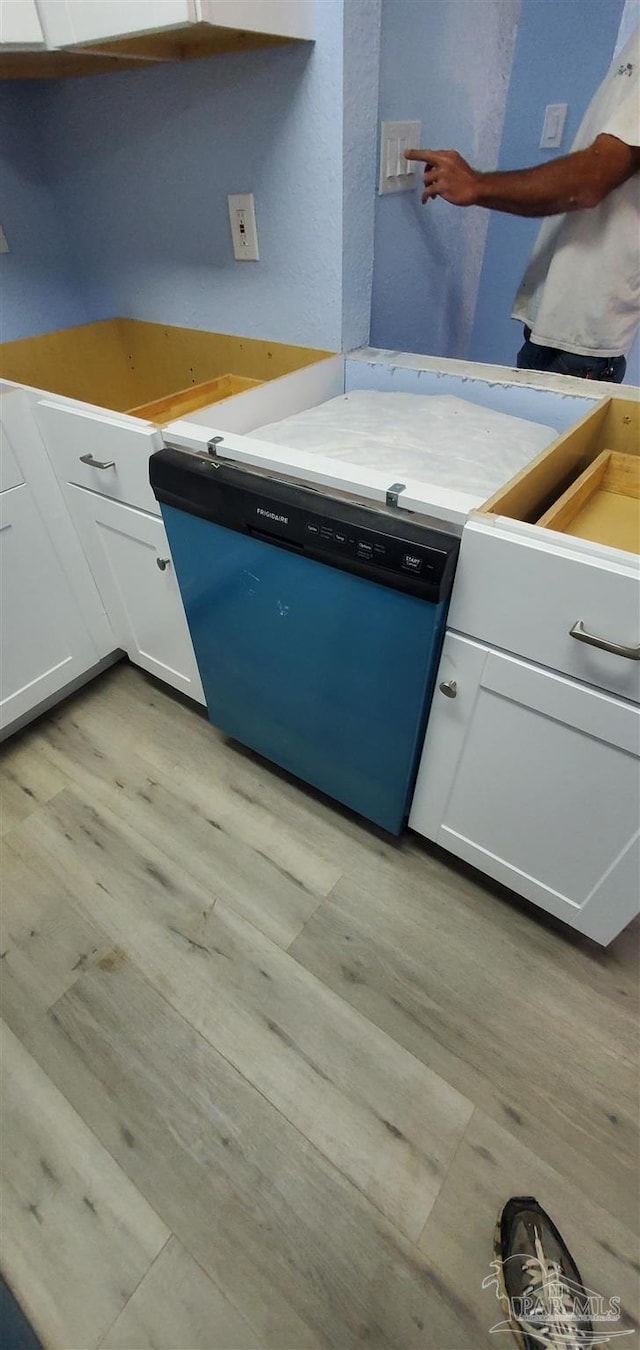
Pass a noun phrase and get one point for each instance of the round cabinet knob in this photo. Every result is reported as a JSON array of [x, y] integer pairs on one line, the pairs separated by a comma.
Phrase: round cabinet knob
[[449, 688], [163, 563]]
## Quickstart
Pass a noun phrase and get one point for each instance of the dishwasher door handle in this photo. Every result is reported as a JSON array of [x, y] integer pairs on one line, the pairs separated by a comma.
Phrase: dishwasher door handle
[[98, 463], [578, 632]]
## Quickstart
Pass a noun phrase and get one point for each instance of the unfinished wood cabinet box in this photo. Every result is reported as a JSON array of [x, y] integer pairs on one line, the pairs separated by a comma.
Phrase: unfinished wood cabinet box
[[152, 371], [587, 484]]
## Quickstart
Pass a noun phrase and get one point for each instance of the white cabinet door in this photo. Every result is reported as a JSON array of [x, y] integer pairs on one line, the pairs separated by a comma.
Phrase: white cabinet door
[[45, 643], [130, 559], [20, 24], [23, 458], [535, 780], [73, 22]]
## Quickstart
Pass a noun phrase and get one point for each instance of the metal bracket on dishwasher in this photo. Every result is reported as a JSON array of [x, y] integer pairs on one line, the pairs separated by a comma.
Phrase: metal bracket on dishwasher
[[393, 492]]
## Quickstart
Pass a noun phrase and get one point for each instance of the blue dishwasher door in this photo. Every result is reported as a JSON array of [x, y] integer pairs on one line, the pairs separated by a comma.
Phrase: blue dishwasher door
[[325, 673]]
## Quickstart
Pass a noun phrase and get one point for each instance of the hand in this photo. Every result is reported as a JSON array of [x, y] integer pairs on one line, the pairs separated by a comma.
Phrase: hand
[[447, 175]]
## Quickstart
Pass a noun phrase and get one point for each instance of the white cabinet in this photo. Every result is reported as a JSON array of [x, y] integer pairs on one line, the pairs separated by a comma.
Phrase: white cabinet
[[76, 22], [53, 627], [45, 642], [102, 463], [23, 458], [20, 25], [11, 474], [535, 779], [129, 555], [283, 18], [91, 22]]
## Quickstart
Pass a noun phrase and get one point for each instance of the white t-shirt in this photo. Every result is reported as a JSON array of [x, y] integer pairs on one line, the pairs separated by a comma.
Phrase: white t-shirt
[[581, 289]]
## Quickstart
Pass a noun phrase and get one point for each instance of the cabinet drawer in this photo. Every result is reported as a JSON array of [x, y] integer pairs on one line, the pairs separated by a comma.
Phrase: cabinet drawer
[[99, 452], [524, 593]]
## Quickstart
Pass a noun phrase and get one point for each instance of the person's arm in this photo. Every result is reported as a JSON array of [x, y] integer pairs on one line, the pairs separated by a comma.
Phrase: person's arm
[[572, 183]]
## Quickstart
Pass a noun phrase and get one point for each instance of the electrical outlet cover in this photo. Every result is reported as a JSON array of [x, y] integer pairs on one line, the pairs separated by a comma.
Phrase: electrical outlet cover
[[244, 232]]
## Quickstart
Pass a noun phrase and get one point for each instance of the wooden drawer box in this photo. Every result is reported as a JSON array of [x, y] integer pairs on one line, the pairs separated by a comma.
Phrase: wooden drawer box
[[613, 426], [526, 587], [603, 504]]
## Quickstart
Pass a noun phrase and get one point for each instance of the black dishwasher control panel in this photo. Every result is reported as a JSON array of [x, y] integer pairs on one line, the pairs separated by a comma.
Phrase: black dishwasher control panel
[[336, 539], [386, 545]]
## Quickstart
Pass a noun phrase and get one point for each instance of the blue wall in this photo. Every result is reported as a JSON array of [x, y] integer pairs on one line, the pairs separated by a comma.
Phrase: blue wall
[[38, 280], [448, 63], [140, 164], [563, 50], [144, 161]]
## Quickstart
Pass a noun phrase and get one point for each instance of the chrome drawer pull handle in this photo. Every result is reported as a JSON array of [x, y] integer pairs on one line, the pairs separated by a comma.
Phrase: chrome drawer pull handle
[[578, 632], [163, 563], [98, 463], [449, 688]]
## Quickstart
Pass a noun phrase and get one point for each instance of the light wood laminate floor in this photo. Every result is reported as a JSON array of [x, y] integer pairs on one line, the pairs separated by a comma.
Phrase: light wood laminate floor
[[267, 1077]]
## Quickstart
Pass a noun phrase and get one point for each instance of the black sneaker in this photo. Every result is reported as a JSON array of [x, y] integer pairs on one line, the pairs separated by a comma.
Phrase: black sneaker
[[538, 1282]]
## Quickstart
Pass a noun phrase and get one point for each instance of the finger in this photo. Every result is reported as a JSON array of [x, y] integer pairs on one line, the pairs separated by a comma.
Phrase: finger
[[422, 156]]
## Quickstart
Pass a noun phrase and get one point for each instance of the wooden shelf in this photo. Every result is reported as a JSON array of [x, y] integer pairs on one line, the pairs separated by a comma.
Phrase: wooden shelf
[[131, 53], [603, 504]]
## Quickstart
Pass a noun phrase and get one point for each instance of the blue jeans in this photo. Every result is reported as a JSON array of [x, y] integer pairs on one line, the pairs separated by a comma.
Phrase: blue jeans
[[533, 357]]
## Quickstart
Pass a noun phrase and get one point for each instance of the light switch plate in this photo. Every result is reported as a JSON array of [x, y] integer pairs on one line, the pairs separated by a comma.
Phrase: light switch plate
[[396, 173], [4, 247], [553, 127]]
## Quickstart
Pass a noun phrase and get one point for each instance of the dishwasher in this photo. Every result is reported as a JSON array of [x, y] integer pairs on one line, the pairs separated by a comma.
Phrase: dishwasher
[[316, 620]]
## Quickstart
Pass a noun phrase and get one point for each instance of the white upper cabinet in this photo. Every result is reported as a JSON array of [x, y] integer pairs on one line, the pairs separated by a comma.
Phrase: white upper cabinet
[[282, 18], [93, 22], [20, 25], [71, 22]]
